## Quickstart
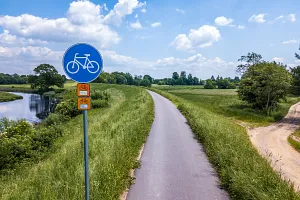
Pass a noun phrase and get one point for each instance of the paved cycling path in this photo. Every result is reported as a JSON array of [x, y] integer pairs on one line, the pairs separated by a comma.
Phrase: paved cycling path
[[173, 164]]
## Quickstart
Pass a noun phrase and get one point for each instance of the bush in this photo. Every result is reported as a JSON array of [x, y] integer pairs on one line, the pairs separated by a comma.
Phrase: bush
[[99, 103], [209, 84], [55, 118]]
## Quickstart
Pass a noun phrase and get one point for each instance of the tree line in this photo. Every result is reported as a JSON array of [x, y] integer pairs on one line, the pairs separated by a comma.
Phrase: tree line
[[13, 79]]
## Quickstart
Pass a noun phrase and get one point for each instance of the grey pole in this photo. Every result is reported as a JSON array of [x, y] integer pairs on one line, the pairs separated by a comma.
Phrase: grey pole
[[86, 161]]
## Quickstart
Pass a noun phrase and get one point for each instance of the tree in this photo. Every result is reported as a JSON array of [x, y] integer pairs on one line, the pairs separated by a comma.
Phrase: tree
[[213, 78], [175, 75], [149, 78], [297, 55], [295, 88], [196, 81], [145, 83], [223, 84], [209, 84], [46, 76], [247, 61], [190, 79], [264, 84]]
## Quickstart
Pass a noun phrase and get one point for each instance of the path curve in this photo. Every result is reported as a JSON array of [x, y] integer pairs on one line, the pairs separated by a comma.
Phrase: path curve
[[271, 142], [173, 164]]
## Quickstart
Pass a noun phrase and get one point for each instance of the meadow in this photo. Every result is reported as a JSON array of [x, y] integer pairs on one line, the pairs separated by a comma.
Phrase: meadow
[[212, 116], [116, 134], [5, 96], [227, 103]]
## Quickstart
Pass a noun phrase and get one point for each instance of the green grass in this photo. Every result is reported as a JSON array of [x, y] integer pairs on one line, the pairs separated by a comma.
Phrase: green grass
[[115, 136], [294, 143], [242, 171], [5, 96], [226, 102]]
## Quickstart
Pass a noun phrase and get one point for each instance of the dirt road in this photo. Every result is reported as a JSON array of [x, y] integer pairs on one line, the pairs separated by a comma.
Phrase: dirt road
[[174, 166], [271, 141]]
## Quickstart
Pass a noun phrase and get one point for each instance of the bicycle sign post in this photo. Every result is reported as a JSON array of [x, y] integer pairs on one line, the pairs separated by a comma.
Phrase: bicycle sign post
[[83, 64]]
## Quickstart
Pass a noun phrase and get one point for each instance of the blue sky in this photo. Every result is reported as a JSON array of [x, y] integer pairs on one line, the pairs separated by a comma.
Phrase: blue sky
[[153, 37]]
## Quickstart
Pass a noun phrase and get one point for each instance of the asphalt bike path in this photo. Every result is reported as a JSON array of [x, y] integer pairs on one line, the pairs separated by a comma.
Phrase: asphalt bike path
[[174, 165]]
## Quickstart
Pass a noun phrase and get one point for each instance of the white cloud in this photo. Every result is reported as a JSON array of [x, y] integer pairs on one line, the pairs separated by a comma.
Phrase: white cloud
[[136, 16], [276, 59], [181, 11], [292, 17], [280, 17], [203, 37], [257, 18], [223, 21], [241, 27], [83, 23], [11, 40], [105, 7], [290, 42], [156, 24], [136, 25], [121, 9], [143, 10]]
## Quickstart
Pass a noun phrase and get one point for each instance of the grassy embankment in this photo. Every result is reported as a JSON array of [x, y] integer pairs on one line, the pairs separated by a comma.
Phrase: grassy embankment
[[242, 171], [115, 136], [294, 140], [5, 96]]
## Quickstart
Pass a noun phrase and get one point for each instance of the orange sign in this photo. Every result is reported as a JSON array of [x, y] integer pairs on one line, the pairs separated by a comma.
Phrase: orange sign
[[83, 90], [84, 103]]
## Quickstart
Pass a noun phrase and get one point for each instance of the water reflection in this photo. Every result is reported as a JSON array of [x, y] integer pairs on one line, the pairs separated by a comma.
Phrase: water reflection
[[32, 107]]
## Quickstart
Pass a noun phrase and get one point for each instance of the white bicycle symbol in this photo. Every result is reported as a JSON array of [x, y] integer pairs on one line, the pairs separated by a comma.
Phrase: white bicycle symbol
[[91, 66]]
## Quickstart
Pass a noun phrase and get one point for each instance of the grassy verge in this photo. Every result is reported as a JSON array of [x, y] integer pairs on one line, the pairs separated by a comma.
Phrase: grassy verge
[[4, 97], [242, 171], [115, 137], [293, 142], [226, 102]]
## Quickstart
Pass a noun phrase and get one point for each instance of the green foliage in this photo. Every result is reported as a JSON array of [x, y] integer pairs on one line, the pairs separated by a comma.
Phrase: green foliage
[[45, 76], [145, 83], [210, 84], [295, 88], [263, 85], [247, 61], [293, 142], [116, 135], [13, 79]]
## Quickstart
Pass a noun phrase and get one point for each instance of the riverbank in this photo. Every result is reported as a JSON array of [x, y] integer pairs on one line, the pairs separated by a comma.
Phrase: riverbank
[[5, 97]]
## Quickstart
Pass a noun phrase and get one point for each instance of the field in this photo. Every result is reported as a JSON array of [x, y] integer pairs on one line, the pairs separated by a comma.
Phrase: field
[[243, 172], [115, 136], [226, 102], [5, 96]]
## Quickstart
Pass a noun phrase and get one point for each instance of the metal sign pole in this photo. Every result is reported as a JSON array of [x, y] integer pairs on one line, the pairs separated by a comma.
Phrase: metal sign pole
[[86, 160]]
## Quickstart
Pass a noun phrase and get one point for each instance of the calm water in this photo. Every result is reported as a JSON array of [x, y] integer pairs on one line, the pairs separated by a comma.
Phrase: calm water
[[32, 107]]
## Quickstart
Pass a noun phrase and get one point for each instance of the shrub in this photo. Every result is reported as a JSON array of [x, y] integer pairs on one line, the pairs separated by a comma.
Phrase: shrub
[[99, 103], [55, 118]]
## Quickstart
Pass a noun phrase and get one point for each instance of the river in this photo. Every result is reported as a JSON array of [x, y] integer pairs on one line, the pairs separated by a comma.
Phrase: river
[[33, 107]]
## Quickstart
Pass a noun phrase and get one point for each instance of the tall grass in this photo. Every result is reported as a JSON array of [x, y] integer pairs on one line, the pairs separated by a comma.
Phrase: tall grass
[[242, 171], [115, 137], [226, 102]]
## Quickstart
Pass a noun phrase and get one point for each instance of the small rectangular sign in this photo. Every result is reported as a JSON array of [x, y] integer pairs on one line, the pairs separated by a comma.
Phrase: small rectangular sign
[[83, 90], [84, 103]]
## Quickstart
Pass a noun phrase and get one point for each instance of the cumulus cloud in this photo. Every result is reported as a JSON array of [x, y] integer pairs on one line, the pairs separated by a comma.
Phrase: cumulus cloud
[[280, 17], [83, 23], [276, 59], [292, 17], [203, 37], [11, 40], [121, 9], [136, 16], [143, 10], [257, 18], [156, 24], [289, 42], [180, 11], [136, 25], [223, 21]]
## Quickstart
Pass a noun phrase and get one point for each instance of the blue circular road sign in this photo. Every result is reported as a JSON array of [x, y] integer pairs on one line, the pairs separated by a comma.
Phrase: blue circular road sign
[[82, 63]]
